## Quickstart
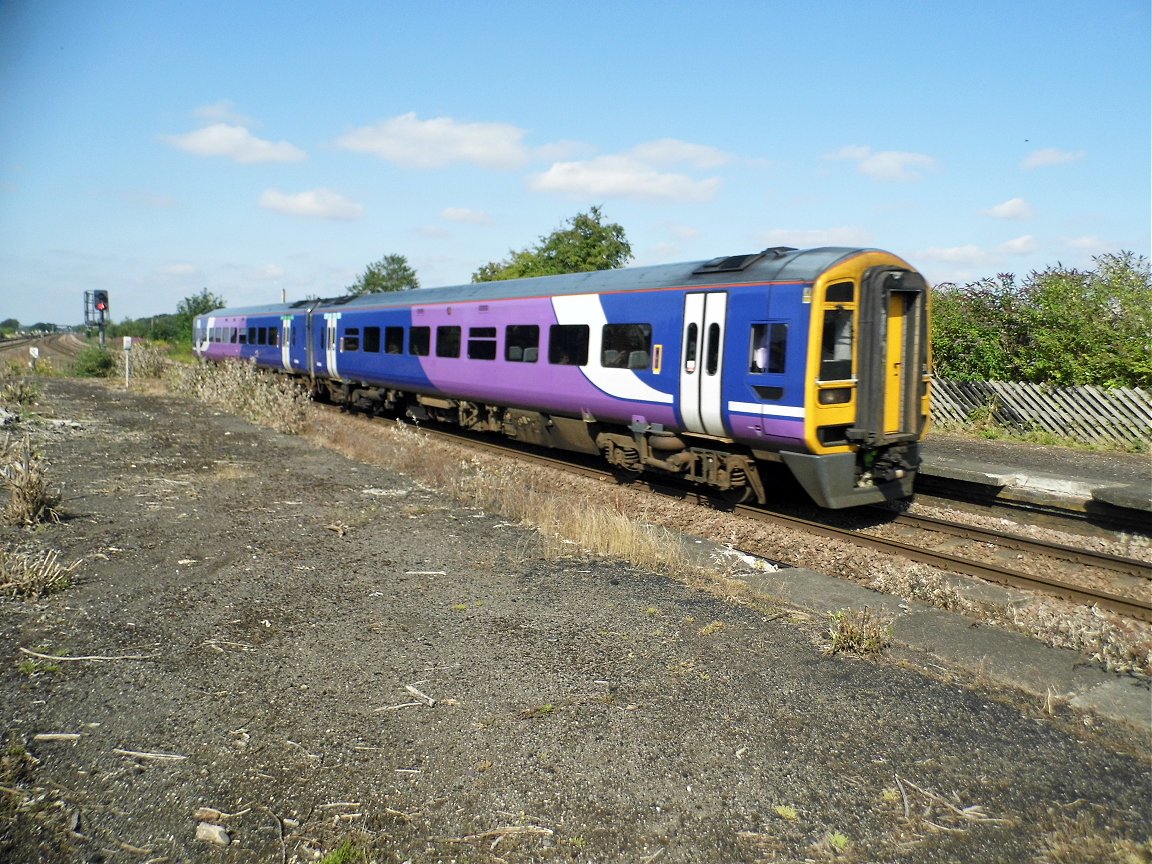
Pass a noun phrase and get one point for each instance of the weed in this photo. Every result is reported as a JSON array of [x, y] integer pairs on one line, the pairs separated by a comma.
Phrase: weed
[[16, 389], [711, 628], [30, 500], [263, 398], [32, 575], [787, 812], [858, 631], [346, 853], [147, 360]]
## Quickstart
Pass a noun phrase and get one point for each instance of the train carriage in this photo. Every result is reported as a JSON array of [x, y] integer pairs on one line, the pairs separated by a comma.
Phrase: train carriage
[[816, 359]]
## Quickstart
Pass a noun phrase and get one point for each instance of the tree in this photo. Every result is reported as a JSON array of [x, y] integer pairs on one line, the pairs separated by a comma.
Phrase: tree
[[390, 273], [190, 307], [9, 325], [585, 244], [1058, 326]]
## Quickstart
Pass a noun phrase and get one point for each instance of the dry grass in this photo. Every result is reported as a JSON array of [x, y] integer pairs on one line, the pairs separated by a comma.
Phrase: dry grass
[[613, 522], [263, 398], [22, 470], [858, 631], [32, 575], [148, 360], [17, 390]]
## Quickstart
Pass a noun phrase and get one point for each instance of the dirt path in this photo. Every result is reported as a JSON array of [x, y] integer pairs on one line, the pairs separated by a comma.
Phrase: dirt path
[[296, 612]]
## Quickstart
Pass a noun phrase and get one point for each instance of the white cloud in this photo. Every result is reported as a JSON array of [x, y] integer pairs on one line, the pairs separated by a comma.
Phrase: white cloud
[[1087, 242], [407, 140], [222, 112], [969, 255], [235, 143], [669, 151], [1013, 208], [463, 214], [270, 272], [313, 204], [804, 239], [1051, 156], [886, 164], [1019, 246], [622, 177]]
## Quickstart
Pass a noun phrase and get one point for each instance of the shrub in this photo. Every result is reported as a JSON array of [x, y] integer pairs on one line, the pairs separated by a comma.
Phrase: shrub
[[94, 362], [30, 502], [263, 398], [1059, 326]]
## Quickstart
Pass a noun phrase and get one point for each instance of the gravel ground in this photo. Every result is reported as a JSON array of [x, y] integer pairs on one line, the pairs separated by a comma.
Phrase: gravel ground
[[287, 603]]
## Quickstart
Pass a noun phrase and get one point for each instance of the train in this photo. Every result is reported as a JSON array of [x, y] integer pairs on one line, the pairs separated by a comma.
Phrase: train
[[716, 372]]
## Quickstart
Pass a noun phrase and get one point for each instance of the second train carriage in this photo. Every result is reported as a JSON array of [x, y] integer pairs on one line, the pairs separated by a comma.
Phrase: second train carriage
[[817, 359]]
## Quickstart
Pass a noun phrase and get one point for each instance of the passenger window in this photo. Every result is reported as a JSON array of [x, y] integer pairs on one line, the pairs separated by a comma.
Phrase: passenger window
[[481, 343], [769, 347], [521, 343], [394, 340], [691, 344], [568, 344], [273, 336], [351, 339], [836, 345], [448, 341], [627, 346], [232, 335], [371, 341], [419, 341], [712, 360]]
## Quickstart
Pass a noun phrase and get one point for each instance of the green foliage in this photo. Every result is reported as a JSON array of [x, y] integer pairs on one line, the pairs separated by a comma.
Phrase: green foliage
[[94, 362], [390, 273], [1059, 326], [9, 325], [585, 244]]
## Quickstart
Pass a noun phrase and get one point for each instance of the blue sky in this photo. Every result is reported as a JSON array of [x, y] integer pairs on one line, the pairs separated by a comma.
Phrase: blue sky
[[156, 148]]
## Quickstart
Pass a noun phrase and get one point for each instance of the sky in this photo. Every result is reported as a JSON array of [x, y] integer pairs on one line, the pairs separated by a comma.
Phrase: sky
[[155, 149]]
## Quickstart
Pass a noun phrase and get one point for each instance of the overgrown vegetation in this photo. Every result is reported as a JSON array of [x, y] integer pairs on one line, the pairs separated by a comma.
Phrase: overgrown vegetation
[[23, 472], [94, 362], [1060, 326], [26, 575], [17, 389], [276, 401], [858, 631]]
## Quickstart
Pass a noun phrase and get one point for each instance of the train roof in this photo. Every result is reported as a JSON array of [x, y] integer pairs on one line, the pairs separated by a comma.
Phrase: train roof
[[780, 264]]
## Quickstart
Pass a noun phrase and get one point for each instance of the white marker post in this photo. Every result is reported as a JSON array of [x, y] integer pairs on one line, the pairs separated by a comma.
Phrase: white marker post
[[127, 359], [35, 352]]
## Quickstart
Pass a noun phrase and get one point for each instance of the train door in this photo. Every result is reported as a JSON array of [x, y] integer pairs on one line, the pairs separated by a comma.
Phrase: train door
[[286, 342], [893, 354], [701, 399], [331, 320]]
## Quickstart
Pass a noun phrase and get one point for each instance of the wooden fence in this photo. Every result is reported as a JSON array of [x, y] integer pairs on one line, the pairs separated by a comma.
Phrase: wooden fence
[[1092, 415]]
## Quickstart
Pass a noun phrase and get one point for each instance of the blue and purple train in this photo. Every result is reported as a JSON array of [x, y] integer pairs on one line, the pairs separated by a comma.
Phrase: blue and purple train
[[816, 359]]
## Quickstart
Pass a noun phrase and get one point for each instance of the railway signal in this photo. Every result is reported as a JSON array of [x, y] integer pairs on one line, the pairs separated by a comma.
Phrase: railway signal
[[100, 301]]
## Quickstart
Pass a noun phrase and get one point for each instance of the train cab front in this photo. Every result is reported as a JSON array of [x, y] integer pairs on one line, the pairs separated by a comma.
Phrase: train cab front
[[868, 383]]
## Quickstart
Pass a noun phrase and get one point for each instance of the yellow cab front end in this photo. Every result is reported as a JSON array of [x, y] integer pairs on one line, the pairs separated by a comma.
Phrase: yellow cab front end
[[868, 383]]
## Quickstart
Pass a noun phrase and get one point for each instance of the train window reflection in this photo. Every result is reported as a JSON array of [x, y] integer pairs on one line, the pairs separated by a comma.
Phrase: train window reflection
[[769, 348], [448, 341], [419, 340], [568, 344], [836, 345], [627, 346]]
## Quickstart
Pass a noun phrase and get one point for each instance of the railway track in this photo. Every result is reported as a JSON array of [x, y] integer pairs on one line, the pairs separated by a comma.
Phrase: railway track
[[1135, 576]]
